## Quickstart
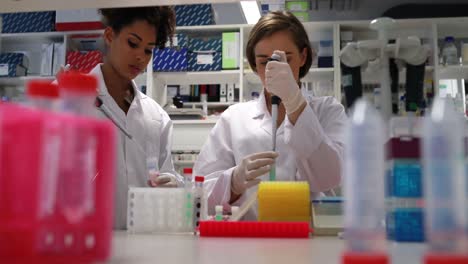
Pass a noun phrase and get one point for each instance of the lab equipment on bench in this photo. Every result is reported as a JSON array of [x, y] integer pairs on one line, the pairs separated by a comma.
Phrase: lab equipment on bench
[[445, 184], [42, 94], [364, 186], [35, 222], [78, 93], [159, 210], [284, 201], [255, 229], [200, 204], [404, 190], [327, 215], [356, 55]]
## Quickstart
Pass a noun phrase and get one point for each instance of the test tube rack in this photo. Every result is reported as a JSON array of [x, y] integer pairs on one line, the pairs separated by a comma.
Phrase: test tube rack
[[159, 210]]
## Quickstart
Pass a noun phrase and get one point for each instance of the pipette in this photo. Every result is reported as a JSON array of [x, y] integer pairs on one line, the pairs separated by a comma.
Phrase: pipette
[[104, 109], [275, 101]]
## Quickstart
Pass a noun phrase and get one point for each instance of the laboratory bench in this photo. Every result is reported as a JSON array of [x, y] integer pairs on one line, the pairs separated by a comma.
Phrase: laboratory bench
[[186, 248]]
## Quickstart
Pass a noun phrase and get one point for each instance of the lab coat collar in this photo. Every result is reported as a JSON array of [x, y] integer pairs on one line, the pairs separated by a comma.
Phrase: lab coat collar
[[102, 88], [261, 107]]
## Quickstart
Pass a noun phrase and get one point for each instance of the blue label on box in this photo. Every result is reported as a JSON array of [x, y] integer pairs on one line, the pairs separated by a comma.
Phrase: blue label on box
[[204, 61], [194, 15], [406, 180], [170, 59], [406, 225], [28, 22]]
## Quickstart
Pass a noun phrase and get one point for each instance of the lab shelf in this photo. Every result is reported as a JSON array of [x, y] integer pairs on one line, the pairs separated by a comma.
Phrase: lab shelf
[[206, 77], [453, 72], [212, 104], [20, 81]]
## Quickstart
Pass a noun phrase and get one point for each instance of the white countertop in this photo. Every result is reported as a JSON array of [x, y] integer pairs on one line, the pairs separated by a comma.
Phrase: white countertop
[[186, 248]]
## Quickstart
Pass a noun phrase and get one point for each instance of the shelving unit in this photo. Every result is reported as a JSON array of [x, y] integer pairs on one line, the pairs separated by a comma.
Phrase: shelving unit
[[431, 31]]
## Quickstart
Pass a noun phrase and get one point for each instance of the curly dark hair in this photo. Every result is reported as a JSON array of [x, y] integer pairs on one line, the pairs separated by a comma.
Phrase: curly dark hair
[[162, 17]]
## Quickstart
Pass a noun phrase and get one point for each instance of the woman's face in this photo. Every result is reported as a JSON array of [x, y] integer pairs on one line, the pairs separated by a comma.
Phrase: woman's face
[[130, 50], [281, 40]]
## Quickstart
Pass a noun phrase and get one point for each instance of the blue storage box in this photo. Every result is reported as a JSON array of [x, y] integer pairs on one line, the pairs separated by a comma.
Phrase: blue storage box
[[13, 65], [406, 225], [194, 15], [406, 179], [169, 59], [205, 54], [28, 22], [172, 58]]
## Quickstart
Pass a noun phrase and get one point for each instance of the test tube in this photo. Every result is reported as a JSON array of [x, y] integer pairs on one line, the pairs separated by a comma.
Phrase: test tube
[[188, 177], [77, 171], [153, 173], [42, 94], [364, 184], [219, 213], [444, 180], [199, 207]]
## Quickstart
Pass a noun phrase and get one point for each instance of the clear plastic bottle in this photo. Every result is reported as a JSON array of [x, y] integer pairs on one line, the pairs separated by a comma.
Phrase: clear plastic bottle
[[43, 94], [364, 181], [78, 93], [450, 52], [77, 172], [444, 182]]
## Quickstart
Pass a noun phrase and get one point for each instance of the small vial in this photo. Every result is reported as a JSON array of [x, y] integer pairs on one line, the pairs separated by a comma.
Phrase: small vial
[[200, 206], [364, 181], [219, 213], [234, 210], [444, 182], [188, 177], [152, 169], [78, 93], [43, 94]]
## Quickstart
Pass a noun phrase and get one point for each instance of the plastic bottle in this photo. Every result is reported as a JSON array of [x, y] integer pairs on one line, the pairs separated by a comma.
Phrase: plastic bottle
[[43, 94], [444, 179], [450, 52], [364, 181], [78, 93], [77, 172]]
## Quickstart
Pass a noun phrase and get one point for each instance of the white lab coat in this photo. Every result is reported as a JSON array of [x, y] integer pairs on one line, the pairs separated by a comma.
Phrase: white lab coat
[[311, 150], [151, 129]]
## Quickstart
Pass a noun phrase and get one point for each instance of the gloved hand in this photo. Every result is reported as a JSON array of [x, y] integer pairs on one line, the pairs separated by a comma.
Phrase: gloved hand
[[280, 81], [162, 180], [245, 174]]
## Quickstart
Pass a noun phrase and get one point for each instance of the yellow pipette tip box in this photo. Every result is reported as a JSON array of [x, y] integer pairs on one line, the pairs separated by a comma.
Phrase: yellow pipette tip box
[[284, 201]]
